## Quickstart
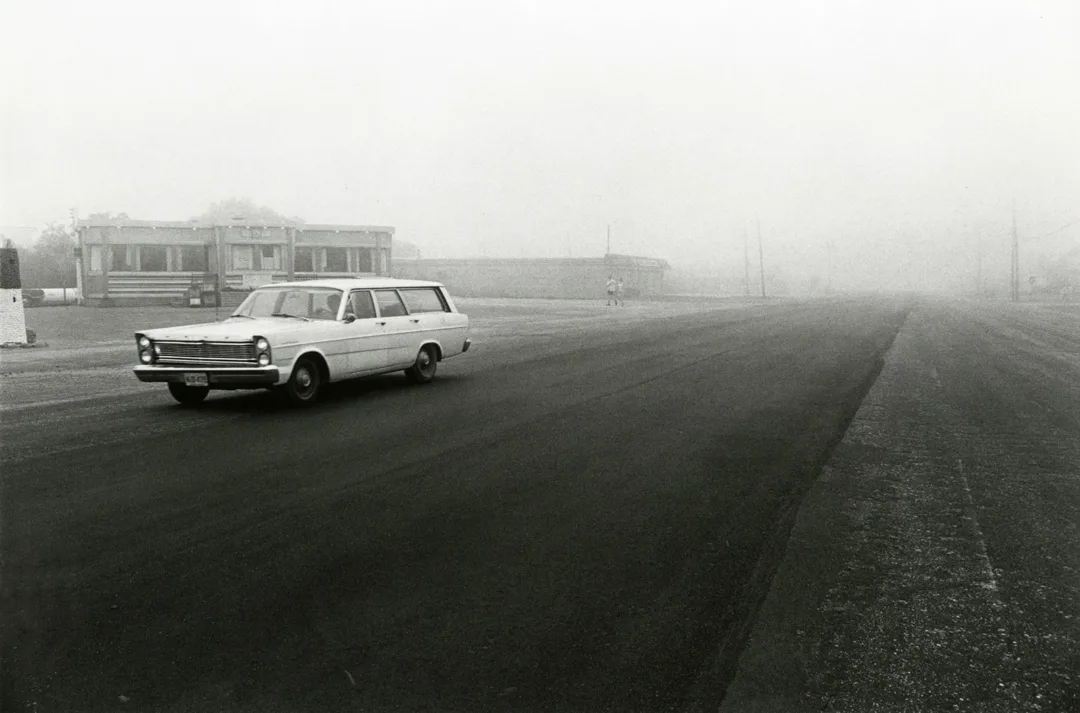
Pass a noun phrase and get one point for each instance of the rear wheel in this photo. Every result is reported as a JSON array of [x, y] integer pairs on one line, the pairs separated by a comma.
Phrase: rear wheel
[[427, 361], [303, 386], [188, 395]]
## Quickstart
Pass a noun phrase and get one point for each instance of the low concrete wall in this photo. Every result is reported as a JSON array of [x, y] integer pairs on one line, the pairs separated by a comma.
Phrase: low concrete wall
[[559, 278]]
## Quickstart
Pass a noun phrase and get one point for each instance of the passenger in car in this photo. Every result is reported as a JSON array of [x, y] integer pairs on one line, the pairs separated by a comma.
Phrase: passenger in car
[[362, 306]]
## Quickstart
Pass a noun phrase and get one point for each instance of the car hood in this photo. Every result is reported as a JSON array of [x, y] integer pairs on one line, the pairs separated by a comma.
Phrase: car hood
[[231, 330]]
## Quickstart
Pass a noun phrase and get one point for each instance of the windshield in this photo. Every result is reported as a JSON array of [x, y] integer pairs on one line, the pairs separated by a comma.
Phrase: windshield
[[291, 302]]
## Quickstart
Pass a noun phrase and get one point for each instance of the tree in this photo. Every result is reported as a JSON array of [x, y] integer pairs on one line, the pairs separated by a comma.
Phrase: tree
[[51, 262], [107, 217], [238, 210]]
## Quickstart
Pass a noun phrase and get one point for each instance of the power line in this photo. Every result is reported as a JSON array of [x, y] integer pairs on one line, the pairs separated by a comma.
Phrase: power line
[[1055, 232], [1037, 237]]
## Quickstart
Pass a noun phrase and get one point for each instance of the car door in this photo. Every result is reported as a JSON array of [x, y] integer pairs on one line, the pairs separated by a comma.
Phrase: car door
[[365, 335], [402, 329], [436, 322]]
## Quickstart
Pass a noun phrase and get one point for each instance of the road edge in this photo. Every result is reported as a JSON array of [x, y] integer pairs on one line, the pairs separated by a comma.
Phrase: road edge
[[722, 671]]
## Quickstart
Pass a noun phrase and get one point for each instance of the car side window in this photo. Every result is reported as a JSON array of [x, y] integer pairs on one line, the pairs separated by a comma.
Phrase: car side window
[[423, 299], [389, 303], [361, 306]]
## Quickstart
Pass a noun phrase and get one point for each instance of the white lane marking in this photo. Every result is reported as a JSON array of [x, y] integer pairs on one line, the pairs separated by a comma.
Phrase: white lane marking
[[980, 540]]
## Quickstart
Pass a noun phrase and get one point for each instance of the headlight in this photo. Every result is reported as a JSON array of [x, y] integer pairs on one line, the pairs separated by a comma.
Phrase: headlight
[[264, 359], [144, 342], [144, 357], [262, 345]]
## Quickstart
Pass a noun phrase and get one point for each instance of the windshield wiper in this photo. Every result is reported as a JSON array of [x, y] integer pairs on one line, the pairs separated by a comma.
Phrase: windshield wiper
[[245, 316], [291, 316]]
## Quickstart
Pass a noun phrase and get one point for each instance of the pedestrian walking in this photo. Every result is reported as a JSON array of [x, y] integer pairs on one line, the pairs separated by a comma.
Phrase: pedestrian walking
[[612, 291]]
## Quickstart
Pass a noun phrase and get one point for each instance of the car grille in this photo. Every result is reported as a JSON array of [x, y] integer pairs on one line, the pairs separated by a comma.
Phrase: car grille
[[205, 353]]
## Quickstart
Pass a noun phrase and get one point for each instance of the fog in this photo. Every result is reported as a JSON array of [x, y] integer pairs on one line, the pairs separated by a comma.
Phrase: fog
[[901, 132]]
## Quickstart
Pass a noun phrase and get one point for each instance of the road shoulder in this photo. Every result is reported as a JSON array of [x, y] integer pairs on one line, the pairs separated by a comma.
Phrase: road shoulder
[[898, 590]]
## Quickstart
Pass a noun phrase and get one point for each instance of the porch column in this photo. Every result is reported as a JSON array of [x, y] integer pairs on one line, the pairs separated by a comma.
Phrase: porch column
[[290, 250]]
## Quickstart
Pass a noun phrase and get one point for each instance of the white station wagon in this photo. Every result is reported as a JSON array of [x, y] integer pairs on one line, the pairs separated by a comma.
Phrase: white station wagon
[[297, 336]]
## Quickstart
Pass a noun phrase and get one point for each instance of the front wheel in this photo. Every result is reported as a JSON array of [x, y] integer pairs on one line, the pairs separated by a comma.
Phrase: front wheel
[[188, 395], [303, 386], [423, 370]]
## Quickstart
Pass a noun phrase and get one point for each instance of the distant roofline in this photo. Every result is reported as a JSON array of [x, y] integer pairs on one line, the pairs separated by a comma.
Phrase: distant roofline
[[344, 283], [596, 259]]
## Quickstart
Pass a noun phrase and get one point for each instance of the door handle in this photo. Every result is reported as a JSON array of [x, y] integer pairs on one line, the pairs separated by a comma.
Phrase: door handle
[[414, 320], [381, 323]]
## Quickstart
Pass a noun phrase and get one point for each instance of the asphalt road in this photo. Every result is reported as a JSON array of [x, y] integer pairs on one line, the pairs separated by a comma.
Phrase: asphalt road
[[573, 519], [581, 520]]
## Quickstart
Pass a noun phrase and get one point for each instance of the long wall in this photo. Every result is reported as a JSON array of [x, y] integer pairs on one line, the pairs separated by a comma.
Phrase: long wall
[[574, 278]]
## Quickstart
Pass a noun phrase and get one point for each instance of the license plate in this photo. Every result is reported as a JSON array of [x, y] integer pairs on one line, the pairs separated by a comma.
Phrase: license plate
[[196, 380]]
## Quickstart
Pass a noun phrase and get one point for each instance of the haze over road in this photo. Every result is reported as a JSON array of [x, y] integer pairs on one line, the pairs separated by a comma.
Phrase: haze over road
[[582, 520]]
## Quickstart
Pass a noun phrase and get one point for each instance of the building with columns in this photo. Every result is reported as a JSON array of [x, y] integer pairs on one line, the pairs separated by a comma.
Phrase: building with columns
[[155, 262]]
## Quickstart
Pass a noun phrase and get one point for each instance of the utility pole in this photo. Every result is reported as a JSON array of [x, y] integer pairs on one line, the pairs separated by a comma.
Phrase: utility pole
[[761, 257], [608, 239], [746, 261], [1015, 259]]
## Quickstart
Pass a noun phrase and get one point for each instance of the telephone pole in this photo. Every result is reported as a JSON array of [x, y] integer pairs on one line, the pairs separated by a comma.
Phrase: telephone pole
[[608, 239], [761, 257], [1015, 259], [746, 261]]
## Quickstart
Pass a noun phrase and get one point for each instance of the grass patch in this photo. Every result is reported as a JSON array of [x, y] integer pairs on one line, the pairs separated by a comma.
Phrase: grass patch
[[72, 327]]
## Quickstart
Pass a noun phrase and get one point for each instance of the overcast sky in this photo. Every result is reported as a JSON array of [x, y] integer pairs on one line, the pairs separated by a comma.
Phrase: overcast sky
[[900, 131]]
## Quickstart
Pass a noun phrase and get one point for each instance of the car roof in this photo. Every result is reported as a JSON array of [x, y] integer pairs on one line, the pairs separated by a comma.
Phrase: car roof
[[347, 283]]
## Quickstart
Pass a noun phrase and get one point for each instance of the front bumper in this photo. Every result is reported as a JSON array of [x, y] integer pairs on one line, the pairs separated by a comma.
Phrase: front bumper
[[219, 377]]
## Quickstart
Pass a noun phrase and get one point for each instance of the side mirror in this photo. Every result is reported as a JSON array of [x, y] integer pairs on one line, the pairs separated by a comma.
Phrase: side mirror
[[350, 318]]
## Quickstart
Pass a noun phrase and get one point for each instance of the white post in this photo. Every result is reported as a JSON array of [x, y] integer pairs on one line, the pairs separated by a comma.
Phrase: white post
[[12, 314], [78, 280]]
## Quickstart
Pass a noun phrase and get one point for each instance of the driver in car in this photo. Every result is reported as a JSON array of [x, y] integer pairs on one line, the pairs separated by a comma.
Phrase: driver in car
[[331, 308]]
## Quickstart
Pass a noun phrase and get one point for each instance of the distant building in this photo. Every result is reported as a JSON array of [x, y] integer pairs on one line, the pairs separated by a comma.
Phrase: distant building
[[135, 261], [578, 278]]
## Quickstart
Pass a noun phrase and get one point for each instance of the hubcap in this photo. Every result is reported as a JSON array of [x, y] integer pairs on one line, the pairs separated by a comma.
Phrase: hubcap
[[425, 361], [304, 380]]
